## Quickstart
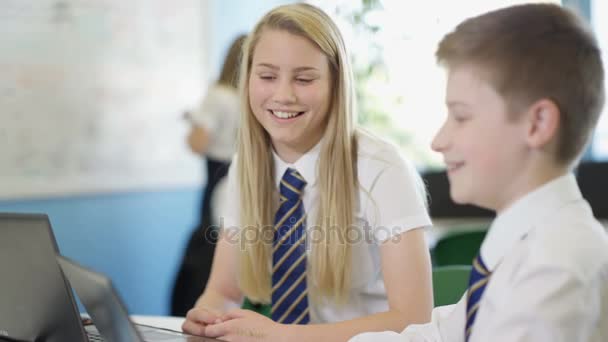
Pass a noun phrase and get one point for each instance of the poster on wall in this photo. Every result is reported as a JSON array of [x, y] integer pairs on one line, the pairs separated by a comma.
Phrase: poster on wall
[[92, 94]]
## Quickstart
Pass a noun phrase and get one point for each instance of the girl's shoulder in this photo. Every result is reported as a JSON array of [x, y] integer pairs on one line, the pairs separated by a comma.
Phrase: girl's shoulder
[[378, 157], [372, 148]]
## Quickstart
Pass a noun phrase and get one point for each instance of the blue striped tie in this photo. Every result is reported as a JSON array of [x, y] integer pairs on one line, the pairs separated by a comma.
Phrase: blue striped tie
[[480, 275], [289, 289]]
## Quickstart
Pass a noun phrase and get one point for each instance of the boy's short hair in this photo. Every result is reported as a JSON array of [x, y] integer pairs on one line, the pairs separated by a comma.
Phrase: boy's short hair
[[535, 51]]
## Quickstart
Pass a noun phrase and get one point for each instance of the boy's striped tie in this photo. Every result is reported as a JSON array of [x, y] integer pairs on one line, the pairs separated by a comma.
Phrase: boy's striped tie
[[289, 288], [480, 275]]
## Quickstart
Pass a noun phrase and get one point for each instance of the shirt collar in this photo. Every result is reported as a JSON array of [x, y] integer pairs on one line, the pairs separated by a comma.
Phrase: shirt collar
[[517, 221], [306, 165]]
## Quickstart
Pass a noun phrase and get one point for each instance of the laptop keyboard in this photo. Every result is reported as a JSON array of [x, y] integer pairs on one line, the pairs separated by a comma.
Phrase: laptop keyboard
[[148, 333], [93, 334]]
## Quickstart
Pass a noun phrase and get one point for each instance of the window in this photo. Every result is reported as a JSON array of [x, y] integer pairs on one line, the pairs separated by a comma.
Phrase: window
[[400, 87], [599, 148]]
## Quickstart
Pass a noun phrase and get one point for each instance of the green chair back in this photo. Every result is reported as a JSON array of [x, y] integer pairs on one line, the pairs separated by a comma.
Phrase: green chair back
[[457, 248], [263, 309], [450, 283]]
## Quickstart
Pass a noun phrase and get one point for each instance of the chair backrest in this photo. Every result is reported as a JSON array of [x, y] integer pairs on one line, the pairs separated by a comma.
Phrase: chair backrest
[[457, 248], [450, 283]]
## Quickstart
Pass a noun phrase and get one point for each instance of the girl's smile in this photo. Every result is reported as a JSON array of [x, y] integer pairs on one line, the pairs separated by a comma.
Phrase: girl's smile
[[289, 91]]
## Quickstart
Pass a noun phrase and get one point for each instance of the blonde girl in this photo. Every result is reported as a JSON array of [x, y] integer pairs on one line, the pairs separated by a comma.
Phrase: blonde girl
[[345, 207]]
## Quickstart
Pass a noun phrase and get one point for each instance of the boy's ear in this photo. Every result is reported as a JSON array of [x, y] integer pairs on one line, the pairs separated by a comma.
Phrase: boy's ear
[[544, 121]]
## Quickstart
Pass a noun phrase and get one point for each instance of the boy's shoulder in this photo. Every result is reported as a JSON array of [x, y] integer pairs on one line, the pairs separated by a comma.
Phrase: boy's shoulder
[[571, 241]]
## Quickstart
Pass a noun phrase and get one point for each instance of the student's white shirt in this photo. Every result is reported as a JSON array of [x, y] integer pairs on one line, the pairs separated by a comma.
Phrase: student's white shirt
[[549, 258], [219, 114], [391, 201]]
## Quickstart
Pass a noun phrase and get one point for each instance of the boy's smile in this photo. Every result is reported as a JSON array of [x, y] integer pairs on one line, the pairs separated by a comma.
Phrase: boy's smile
[[453, 166]]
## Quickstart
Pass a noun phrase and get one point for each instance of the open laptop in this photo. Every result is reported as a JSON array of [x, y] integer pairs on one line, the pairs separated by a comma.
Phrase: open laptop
[[36, 301]]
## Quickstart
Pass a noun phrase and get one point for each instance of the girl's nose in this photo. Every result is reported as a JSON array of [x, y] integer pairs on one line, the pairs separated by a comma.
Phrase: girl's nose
[[285, 93]]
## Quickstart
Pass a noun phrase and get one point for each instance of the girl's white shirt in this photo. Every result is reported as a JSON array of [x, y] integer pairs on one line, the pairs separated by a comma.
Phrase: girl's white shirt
[[391, 201]]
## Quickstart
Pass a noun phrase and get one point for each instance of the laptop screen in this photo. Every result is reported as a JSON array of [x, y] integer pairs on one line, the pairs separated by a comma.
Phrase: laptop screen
[[35, 303], [101, 301], [107, 310]]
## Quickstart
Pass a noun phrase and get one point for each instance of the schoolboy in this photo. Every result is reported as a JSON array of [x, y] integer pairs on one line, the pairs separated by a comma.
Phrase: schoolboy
[[524, 93]]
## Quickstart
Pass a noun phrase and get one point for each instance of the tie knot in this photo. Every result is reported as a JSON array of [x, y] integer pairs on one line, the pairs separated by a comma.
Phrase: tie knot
[[292, 183]]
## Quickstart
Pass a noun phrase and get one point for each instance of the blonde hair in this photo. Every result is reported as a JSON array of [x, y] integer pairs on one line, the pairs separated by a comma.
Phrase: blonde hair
[[329, 266]]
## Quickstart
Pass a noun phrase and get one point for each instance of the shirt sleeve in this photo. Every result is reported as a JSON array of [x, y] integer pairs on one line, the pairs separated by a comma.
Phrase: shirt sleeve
[[397, 199], [566, 309], [209, 113], [446, 325]]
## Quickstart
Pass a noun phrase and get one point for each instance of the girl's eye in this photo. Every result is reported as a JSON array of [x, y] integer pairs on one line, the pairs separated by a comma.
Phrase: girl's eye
[[304, 80], [267, 77]]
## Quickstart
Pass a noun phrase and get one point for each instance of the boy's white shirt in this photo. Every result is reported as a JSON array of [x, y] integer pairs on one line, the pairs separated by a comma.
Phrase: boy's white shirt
[[549, 258]]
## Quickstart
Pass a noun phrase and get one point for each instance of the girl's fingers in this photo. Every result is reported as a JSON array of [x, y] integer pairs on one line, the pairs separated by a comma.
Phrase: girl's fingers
[[193, 328], [218, 330], [202, 316]]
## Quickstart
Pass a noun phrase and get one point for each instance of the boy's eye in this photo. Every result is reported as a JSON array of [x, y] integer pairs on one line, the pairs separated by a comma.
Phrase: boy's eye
[[459, 117]]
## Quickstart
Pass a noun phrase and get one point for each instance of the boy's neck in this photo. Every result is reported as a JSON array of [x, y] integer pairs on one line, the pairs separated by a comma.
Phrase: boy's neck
[[530, 180]]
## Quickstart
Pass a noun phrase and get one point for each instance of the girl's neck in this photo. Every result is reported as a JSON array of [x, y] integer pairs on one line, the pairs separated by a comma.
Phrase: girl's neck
[[291, 154]]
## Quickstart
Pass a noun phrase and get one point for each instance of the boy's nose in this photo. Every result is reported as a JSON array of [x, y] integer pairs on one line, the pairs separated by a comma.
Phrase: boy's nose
[[439, 142]]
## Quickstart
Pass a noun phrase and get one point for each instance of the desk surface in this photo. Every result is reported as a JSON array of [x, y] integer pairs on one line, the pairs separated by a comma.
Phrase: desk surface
[[166, 322]]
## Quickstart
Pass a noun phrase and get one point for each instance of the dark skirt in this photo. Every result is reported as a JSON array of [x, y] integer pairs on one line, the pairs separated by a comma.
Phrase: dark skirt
[[196, 263]]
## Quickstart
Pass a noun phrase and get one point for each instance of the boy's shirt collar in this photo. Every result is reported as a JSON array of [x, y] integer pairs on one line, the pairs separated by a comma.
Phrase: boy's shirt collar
[[306, 165], [517, 221]]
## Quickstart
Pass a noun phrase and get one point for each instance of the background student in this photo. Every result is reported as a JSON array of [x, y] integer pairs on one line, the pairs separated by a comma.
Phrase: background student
[[525, 89], [214, 126], [323, 221]]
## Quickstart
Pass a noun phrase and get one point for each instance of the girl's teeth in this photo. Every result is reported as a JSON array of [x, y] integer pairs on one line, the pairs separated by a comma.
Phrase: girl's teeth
[[284, 115]]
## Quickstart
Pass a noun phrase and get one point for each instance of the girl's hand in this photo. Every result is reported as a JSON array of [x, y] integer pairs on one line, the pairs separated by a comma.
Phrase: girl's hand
[[197, 319], [245, 325]]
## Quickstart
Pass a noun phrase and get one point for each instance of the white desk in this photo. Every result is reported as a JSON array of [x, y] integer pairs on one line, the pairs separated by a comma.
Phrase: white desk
[[166, 322]]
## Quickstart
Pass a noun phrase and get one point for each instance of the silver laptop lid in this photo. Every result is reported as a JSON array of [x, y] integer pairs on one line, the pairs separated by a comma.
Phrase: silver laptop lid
[[108, 312], [35, 301], [98, 296]]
